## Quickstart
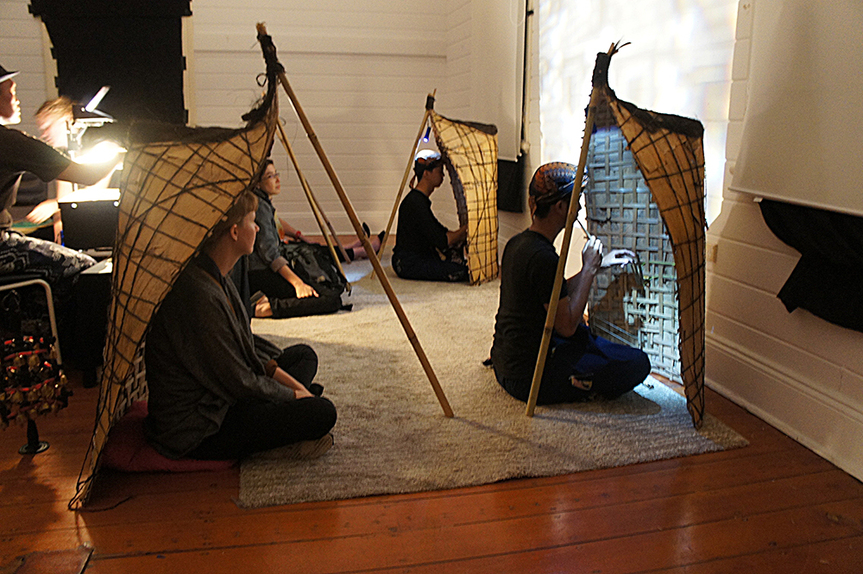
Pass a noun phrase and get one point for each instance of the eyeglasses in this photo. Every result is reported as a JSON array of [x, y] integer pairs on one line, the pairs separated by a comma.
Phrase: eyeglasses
[[271, 175]]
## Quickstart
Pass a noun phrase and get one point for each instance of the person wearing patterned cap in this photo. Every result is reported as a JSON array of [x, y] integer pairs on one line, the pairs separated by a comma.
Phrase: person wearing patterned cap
[[425, 249], [579, 366]]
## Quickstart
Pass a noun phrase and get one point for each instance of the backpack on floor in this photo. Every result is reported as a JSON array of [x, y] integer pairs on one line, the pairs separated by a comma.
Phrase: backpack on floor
[[314, 264]]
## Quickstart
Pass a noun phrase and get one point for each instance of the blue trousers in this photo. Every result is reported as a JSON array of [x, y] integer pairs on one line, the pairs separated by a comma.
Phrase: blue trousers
[[580, 367]]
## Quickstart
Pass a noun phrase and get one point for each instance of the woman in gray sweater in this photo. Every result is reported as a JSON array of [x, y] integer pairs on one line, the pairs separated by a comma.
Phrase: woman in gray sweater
[[216, 391]]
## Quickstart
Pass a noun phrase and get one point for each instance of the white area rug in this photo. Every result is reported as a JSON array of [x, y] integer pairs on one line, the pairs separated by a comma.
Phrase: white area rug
[[392, 436]]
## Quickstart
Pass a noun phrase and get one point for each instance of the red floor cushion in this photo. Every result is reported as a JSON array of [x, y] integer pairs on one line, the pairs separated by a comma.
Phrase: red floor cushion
[[128, 450]]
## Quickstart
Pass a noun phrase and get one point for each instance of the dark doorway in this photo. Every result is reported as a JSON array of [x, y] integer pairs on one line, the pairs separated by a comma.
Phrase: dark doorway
[[133, 46]]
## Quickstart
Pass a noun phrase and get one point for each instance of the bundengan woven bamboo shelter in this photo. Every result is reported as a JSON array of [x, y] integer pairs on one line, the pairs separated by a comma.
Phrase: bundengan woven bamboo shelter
[[469, 151], [669, 153], [178, 183]]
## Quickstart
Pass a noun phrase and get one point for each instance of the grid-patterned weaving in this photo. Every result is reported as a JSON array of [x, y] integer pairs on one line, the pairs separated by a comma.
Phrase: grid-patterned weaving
[[625, 308], [669, 153], [470, 154]]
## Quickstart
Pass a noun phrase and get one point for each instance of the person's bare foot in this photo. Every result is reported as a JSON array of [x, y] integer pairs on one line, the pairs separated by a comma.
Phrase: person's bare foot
[[263, 309]]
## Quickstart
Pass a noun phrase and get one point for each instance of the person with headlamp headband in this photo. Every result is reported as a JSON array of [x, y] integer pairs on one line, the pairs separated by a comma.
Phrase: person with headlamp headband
[[579, 366], [426, 250]]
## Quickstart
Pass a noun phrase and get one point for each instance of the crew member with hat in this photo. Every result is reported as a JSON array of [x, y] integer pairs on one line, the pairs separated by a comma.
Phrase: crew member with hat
[[425, 249], [19, 153], [579, 366]]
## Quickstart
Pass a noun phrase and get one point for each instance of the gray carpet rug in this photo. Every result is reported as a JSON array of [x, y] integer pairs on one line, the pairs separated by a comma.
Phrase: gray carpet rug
[[392, 436]]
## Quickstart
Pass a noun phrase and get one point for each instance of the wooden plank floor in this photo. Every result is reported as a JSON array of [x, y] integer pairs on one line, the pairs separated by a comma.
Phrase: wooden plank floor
[[771, 507]]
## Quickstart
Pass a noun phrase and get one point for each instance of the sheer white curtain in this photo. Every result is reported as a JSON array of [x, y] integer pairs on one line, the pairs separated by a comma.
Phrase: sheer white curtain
[[679, 62]]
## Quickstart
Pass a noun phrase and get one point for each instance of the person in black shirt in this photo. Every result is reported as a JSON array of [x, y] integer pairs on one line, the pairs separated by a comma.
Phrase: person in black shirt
[[216, 391], [425, 249], [579, 365], [21, 153]]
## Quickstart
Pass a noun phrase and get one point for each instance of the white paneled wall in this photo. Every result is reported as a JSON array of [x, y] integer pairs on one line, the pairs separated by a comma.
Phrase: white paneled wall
[[460, 25], [796, 371], [21, 49], [361, 72]]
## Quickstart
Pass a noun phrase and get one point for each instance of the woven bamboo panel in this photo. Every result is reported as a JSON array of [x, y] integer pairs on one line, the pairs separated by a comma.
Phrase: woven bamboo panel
[[469, 150], [136, 386], [178, 183], [622, 213]]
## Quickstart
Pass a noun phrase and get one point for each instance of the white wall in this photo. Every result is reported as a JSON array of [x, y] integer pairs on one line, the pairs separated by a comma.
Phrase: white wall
[[796, 371], [484, 61], [361, 71], [21, 40]]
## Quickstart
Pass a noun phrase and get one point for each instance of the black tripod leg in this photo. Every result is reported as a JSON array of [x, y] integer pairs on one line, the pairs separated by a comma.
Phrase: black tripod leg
[[34, 445]]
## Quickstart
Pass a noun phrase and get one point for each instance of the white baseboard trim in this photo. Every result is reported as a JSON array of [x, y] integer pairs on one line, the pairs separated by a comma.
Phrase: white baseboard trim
[[799, 408]]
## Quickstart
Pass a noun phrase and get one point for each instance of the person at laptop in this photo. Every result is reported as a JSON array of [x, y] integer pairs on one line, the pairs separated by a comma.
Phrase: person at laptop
[[19, 153], [53, 118]]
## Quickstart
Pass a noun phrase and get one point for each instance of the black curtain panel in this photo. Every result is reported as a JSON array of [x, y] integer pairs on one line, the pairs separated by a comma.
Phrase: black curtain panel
[[134, 46], [828, 279], [510, 182]]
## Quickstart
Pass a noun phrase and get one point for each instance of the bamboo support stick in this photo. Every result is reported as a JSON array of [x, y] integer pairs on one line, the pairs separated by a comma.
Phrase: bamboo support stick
[[564, 251], [317, 211], [376, 264], [429, 107], [316, 206]]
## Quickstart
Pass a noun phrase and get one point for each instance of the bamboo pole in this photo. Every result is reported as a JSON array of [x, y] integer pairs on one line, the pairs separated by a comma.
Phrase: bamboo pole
[[317, 211], [429, 108], [564, 249], [316, 206], [376, 264]]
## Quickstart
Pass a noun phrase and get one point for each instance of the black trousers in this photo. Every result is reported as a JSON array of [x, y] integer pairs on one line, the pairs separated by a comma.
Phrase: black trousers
[[283, 297], [255, 425], [412, 266]]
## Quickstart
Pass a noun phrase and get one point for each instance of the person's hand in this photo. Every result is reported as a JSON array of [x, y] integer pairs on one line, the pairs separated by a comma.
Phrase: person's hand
[[591, 254], [620, 257], [284, 378], [304, 291], [263, 308], [43, 211], [457, 236]]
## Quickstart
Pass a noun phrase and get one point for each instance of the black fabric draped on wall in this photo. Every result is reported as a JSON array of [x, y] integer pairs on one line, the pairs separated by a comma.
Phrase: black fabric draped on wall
[[134, 46], [510, 185], [828, 279]]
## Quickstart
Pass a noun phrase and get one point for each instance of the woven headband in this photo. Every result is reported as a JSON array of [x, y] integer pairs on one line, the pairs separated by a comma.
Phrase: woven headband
[[553, 182]]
